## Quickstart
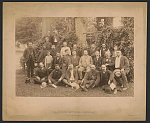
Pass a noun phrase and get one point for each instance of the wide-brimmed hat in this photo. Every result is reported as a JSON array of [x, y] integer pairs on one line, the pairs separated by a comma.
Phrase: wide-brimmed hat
[[43, 85]]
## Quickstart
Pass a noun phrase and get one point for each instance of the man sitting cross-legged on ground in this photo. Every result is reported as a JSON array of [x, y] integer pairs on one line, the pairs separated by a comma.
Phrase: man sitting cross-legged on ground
[[56, 76], [91, 79], [119, 79], [41, 74], [71, 76], [105, 76], [84, 63], [106, 80]]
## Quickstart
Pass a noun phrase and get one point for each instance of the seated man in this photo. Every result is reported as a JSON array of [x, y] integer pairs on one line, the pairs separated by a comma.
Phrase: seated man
[[108, 61], [97, 61], [119, 79], [106, 81], [41, 74], [91, 79], [71, 76], [84, 63], [66, 60], [56, 76], [57, 60], [105, 76], [75, 59]]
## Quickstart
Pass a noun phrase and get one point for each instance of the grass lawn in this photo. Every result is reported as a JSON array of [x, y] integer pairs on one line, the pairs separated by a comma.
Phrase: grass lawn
[[34, 90]]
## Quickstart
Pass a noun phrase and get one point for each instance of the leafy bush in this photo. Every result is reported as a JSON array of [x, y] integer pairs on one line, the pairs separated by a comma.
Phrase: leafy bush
[[28, 29]]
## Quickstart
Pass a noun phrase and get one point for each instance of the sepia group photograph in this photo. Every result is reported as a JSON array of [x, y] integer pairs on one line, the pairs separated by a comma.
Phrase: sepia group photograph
[[74, 56], [74, 61]]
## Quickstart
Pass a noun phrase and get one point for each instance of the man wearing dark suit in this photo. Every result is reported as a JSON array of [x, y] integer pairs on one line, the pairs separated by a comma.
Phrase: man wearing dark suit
[[57, 60], [66, 60], [92, 50], [29, 57], [75, 59], [53, 51], [41, 74], [91, 79], [56, 76], [103, 50], [47, 43], [42, 55], [97, 61], [77, 49], [108, 61], [105, 76], [122, 63]]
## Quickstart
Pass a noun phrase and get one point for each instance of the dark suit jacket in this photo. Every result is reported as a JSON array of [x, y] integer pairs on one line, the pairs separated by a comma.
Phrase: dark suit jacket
[[42, 56], [55, 75], [57, 61], [41, 72], [92, 52], [92, 76], [68, 74], [109, 61], [66, 60], [29, 52], [75, 61], [97, 63], [124, 63], [105, 77]]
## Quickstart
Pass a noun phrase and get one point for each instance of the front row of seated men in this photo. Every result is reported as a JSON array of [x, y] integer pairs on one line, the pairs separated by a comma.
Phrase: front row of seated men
[[92, 78]]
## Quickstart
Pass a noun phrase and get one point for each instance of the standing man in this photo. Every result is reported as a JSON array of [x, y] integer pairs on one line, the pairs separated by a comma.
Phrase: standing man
[[77, 49], [64, 48], [97, 61], [92, 50], [84, 63], [122, 63], [29, 56], [42, 55], [53, 51], [47, 43], [103, 50], [91, 79]]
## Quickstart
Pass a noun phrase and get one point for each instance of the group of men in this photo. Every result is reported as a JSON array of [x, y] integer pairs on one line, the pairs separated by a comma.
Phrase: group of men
[[94, 68]]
